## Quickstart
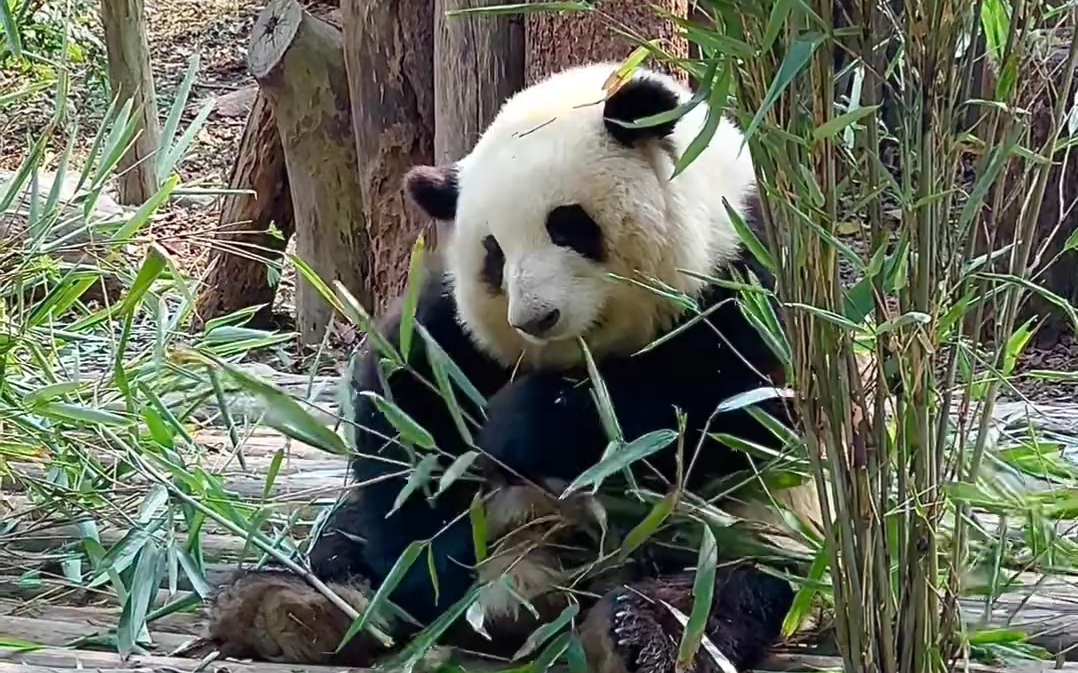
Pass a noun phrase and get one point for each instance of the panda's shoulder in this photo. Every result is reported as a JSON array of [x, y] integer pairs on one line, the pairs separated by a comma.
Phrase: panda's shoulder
[[435, 310]]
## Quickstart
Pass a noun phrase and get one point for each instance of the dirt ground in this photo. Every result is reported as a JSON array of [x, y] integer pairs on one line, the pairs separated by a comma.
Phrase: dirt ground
[[218, 31]]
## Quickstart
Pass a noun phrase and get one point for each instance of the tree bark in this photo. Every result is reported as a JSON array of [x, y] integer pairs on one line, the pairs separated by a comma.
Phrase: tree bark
[[478, 63], [1040, 86], [389, 55], [238, 263], [298, 61], [555, 41], [131, 77], [238, 272]]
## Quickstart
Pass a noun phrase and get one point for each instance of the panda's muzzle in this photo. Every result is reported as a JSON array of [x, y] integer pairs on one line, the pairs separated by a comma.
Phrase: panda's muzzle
[[537, 324]]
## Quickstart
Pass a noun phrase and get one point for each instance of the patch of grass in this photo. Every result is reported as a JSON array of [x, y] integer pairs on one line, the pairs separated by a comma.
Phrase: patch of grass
[[102, 388], [938, 512]]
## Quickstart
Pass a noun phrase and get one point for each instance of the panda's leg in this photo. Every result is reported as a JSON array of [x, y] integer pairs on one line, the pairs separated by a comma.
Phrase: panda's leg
[[275, 615], [381, 466], [631, 630]]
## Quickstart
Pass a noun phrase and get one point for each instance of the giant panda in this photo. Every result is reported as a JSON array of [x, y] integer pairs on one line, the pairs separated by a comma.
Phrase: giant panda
[[558, 220]]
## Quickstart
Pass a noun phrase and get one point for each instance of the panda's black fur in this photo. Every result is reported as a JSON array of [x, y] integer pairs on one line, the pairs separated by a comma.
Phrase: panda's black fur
[[542, 427]]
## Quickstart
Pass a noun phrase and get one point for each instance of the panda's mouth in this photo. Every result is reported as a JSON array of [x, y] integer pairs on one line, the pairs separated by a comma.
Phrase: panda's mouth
[[541, 326], [544, 340]]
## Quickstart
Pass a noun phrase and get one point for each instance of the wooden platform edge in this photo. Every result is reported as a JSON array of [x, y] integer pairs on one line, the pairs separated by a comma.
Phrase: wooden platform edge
[[49, 659]]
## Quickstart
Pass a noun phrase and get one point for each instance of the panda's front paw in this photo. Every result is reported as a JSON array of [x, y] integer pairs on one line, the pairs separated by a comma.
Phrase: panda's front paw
[[539, 427], [638, 639], [634, 630], [621, 635]]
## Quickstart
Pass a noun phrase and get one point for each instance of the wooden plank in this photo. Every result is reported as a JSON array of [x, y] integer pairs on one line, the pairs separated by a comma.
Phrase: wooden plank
[[45, 537], [56, 590], [37, 516], [298, 486], [220, 464], [803, 662], [67, 659], [106, 617], [41, 661], [257, 441], [54, 633]]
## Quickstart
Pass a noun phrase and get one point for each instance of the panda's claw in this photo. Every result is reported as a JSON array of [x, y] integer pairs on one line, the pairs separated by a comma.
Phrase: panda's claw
[[637, 639]]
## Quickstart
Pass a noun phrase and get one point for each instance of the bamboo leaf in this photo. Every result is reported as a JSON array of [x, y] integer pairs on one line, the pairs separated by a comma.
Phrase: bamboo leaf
[[551, 653], [751, 397], [144, 585], [417, 478], [78, 414], [411, 431], [716, 110], [625, 70], [271, 475], [374, 607], [703, 591], [837, 124], [458, 467], [602, 397], [11, 29], [477, 516], [283, 413], [621, 458], [643, 531], [416, 279], [544, 632], [797, 58], [805, 595]]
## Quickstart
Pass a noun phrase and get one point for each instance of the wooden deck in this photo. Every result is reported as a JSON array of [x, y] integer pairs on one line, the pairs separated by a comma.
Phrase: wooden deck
[[69, 626]]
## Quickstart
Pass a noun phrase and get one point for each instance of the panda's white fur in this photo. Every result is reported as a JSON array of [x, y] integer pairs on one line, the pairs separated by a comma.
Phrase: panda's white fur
[[548, 146]]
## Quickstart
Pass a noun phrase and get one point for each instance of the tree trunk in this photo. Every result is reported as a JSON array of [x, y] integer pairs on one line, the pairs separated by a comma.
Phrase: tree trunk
[[1054, 267], [131, 77], [238, 263], [478, 63], [389, 56], [298, 61], [554, 41]]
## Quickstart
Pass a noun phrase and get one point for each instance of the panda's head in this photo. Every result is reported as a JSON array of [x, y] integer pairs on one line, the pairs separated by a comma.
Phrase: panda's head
[[557, 200]]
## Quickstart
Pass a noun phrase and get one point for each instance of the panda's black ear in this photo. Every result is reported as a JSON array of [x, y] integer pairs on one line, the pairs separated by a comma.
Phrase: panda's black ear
[[638, 98], [434, 189]]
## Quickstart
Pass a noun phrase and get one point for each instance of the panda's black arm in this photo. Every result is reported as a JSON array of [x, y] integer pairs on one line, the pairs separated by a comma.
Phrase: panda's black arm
[[546, 426], [360, 538]]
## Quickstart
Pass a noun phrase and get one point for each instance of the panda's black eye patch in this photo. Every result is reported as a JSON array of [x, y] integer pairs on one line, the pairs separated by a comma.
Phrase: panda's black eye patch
[[572, 227], [493, 264]]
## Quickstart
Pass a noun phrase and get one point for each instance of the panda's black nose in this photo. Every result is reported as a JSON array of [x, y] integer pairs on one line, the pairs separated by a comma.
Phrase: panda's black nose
[[541, 324]]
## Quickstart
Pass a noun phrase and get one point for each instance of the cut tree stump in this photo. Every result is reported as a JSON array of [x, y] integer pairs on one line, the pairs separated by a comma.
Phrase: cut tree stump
[[239, 262], [390, 60], [298, 61], [131, 76]]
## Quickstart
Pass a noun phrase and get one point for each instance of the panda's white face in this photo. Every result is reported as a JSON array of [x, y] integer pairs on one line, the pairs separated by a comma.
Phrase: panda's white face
[[554, 198], [541, 220]]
